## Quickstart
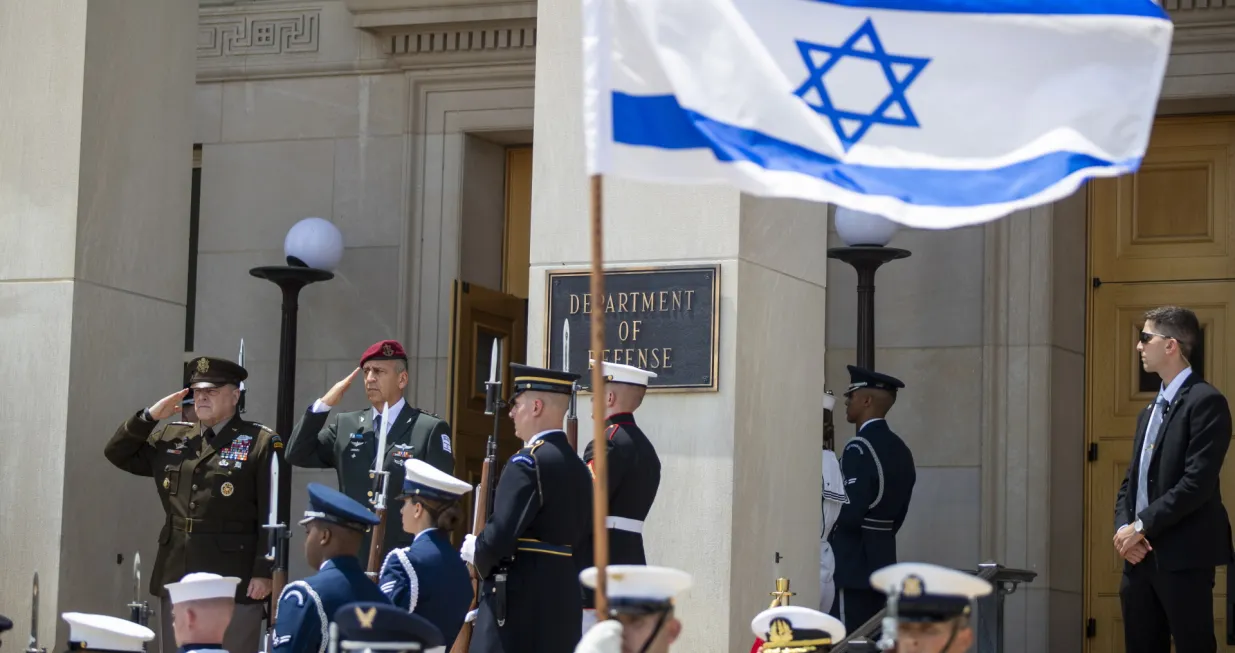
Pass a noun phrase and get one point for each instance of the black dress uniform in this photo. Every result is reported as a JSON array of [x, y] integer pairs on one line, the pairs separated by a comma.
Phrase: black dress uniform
[[879, 477], [214, 485], [347, 442], [530, 600]]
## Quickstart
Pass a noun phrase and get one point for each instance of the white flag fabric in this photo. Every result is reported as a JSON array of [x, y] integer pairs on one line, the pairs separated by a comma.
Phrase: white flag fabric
[[934, 113]]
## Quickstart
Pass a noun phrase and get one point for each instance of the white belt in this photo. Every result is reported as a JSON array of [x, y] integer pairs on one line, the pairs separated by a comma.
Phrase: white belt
[[624, 524]]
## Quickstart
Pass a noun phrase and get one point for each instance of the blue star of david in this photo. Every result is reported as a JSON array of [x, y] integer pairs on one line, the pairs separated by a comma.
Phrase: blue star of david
[[900, 72]]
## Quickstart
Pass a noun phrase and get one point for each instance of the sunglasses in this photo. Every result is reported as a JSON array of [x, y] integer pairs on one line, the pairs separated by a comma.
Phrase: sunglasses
[[1146, 336]]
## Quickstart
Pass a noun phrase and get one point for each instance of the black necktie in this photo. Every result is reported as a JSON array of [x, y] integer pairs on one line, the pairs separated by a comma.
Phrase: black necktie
[[377, 423]]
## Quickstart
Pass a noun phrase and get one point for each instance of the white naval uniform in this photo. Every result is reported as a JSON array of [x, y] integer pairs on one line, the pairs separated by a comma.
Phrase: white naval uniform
[[833, 498]]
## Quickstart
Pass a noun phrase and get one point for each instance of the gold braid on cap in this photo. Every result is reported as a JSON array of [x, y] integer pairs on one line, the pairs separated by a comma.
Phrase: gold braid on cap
[[780, 640]]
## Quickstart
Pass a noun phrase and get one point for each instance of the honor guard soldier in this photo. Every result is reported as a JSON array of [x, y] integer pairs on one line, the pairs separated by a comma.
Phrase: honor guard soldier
[[641, 609], [372, 627], [202, 606], [428, 577], [794, 629], [634, 474], [334, 524], [879, 477], [100, 632], [530, 601], [933, 605], [213, 477], [347, 442]]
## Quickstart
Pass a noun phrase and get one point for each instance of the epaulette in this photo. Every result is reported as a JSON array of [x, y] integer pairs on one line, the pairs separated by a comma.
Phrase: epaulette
[[275, 440], [613, 429]]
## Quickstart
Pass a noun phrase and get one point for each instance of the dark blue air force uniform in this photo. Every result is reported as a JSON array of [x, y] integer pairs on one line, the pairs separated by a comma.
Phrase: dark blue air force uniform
[[305, 606], [429, 578], [879, 476]]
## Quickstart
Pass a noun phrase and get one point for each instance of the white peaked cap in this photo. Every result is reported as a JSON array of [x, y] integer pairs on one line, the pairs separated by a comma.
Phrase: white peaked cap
[[640, 582], [99, 631], [420, 474], [799, 619], [931, 579], [629, 374], [198, 586], [829, 402]]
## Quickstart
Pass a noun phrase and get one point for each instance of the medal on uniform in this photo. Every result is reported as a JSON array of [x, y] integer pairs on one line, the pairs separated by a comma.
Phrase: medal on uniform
[[223, 463], [227, 489]]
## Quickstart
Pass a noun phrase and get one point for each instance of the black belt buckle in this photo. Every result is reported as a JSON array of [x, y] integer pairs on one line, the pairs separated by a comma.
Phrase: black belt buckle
[[499, 597]]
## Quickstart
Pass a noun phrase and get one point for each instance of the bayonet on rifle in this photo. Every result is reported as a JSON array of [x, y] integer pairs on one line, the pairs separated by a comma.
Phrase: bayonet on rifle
[[572, 416], [240, 362], [34, 618]]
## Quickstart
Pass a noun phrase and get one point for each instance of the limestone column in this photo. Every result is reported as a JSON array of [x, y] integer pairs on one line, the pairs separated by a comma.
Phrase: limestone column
[[95, 165], [740, 479]]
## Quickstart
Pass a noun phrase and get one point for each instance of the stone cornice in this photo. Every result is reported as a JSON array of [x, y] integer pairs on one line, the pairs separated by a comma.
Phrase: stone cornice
[[1200, 30], [386, 14]]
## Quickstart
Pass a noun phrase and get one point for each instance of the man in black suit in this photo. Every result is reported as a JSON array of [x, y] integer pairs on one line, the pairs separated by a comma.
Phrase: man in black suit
[[348, 441], [879, 476], [1171, 527]]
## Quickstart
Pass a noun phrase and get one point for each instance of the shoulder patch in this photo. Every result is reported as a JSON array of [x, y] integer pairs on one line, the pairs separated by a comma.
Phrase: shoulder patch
[[524, 459], [446, 443], [853, 444]]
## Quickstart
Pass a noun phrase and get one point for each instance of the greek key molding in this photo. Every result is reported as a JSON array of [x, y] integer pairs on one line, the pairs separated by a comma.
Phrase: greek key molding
[[265, 33]]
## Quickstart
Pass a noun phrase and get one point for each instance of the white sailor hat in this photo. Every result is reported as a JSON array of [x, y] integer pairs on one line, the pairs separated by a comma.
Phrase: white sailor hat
[[628, 374], [202, 585], [929, 592], [796, 628], [99, 632], [639, 589], [422, 479]]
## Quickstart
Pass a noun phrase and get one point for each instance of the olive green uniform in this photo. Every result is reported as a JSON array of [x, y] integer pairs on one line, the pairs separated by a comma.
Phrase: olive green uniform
[[215, 495]]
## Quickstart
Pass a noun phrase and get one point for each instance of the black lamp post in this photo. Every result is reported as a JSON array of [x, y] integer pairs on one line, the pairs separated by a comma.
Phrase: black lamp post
[[313, 239], [866, 237]]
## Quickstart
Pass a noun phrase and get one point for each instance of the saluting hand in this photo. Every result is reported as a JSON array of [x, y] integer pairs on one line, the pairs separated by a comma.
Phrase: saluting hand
[[167, 406], [336, 393]]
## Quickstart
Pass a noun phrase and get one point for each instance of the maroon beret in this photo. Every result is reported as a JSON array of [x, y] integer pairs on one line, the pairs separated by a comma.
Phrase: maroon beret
[[384, 351]]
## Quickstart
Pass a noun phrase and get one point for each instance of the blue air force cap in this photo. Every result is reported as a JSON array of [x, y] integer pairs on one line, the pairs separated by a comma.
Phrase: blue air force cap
[[860, 377], [526, 378], [329, 504], [384, 627]]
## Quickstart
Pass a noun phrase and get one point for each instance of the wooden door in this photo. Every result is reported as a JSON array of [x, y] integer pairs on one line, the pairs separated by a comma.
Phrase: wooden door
[[480, 317], [1165, 235]]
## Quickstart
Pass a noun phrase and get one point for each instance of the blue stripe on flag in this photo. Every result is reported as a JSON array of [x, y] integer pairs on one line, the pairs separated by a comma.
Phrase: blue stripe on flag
[[658, 121], [1146, 8]]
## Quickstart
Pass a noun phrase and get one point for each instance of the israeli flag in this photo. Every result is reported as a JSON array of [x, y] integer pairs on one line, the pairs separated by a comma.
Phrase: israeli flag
[[934, 113]]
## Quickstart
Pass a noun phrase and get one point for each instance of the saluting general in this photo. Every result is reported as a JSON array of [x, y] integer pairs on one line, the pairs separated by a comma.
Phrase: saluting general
[[347, 442], [633, 470], [334, 524], [428, 577], [879, 477], [213, 477], [530, 600]]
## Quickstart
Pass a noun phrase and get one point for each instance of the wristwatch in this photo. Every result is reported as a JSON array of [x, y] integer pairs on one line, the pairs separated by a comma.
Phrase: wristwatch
[[1138, 527]]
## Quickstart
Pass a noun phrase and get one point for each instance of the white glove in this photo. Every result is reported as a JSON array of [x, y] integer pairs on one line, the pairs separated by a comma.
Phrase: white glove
[[471, 616], [604, 637], [468, 550]]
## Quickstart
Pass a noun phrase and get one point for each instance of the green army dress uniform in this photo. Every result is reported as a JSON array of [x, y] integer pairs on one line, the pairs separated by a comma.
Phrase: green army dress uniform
[[215, 490]]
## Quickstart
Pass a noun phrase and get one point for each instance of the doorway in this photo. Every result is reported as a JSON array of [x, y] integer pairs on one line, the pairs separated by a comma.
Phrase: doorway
[[489, 304], [1165, 235]]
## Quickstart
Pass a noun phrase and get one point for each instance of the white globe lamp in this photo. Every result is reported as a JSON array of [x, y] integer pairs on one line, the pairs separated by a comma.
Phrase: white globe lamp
[[857, 228], [314, 243]]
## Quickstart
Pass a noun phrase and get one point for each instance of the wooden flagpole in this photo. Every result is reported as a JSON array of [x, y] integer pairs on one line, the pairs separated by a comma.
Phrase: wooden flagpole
[[600, 487]]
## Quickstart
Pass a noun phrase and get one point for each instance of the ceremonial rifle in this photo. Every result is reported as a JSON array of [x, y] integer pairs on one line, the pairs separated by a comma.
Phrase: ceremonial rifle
[[34, 618], [485, 491], [277, 535], [139, 610], [572, 416], [380, 478]]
